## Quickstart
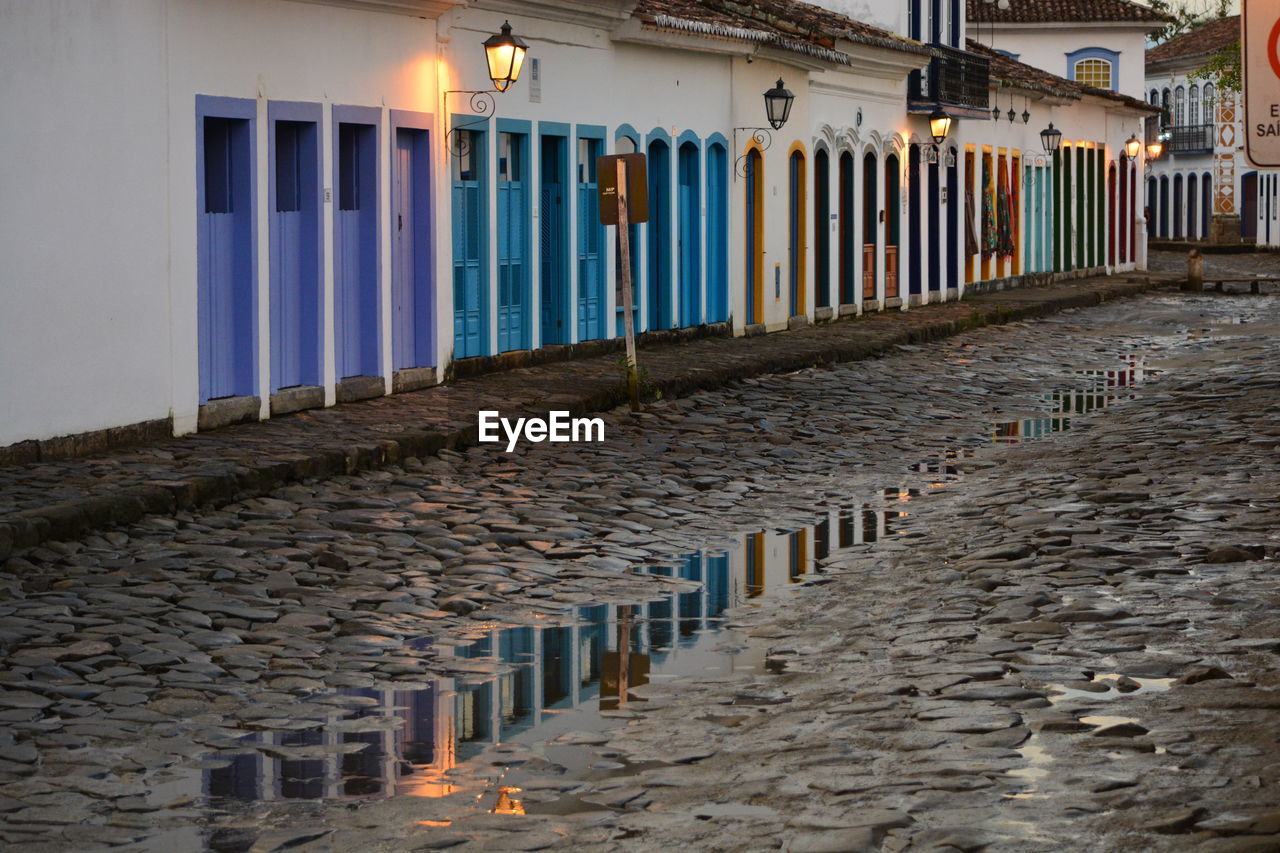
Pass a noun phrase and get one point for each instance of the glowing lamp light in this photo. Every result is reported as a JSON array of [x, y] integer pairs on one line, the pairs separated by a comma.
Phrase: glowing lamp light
[[505, 55], [777, 104], [1155, 149], [939, 125], [1132, 147]]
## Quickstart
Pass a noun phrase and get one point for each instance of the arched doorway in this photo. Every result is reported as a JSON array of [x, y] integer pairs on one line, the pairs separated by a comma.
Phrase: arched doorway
[[1178, 216], [822, 228], [690, 206], [847, 239], [659, 235], [753, 187], [796, 234], [892, 222], [870, 218]]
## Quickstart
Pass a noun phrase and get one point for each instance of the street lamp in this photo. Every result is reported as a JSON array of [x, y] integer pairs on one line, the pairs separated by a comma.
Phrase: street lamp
[[505, 56], [1154, 149], [939, 125], [777, 105], [1132, 147], [1051, 138]]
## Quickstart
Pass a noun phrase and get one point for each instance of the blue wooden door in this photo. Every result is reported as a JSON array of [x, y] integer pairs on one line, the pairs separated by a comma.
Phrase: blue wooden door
[[356, 249], [470, 247], [660, 314], [412, 290], [295, 259], [717, 234], [794, 236], [690, 206], [554, 241], [513, 242], [591, 272], [226, 300]]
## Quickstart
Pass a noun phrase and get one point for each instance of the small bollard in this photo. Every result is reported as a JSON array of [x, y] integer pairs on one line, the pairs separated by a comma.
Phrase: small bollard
[[1195, 272]]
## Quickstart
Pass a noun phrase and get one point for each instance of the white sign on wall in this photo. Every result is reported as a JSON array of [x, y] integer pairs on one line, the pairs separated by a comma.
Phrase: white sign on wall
[[1260, 41]]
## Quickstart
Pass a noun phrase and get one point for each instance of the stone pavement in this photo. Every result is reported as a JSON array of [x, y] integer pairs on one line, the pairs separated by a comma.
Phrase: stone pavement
[[66, 498]]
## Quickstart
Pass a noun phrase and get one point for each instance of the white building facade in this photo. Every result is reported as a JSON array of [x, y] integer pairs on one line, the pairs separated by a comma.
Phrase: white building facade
[[236, 210]]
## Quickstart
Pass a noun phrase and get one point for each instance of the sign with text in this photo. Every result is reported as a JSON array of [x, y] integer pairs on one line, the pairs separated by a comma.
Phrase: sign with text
[[637, 188], [1260, 43]]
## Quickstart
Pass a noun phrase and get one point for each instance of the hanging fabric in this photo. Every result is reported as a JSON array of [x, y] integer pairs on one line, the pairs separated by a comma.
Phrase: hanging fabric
[[989, 240], [1004, 205], [970, 228]]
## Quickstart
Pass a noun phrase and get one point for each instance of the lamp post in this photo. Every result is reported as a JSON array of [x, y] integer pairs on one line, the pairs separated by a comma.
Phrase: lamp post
[[777, 109], [504, 56]]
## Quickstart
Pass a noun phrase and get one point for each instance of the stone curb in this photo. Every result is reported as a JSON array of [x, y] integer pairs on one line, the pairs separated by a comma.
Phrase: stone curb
[[808, 347]]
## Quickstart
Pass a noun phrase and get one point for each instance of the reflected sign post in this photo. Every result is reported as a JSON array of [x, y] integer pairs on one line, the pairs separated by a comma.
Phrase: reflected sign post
[[624, 200], [1260, 45]]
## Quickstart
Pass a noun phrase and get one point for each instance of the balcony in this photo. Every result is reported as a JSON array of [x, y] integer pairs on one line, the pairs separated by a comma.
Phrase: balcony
[[955, 80], [1190, 139]]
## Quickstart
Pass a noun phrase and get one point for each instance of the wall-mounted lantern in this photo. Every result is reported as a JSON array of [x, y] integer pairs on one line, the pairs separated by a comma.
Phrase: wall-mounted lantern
[[1154, 149], [777, 109], [939, 125], [1132, 147], [777, 105], [1051, 138], [505, 55]]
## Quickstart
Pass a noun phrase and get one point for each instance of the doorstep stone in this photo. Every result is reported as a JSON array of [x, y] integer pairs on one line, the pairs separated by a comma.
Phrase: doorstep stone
[[823, 313], [295, 399], [412, 379], [360, 388], [225, 411], [799, 321]]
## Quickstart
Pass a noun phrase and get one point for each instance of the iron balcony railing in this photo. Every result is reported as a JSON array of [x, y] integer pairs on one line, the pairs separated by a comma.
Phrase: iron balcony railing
[[954, 78], [1190, 138]]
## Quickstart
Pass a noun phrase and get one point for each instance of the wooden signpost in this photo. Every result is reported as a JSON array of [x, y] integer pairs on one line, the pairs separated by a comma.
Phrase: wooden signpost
[[624, 200]]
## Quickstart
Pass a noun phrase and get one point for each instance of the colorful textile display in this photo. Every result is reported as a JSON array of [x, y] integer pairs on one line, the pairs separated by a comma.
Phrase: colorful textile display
[[1004, 204], [990, 241]]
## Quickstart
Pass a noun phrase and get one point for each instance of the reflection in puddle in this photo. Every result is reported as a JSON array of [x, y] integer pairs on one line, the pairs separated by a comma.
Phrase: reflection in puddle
[[525, 702], [1106, 387], [1113, 689]]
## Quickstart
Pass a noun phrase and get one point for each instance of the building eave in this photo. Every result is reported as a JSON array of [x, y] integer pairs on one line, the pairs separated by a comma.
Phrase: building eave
[[416, 8]]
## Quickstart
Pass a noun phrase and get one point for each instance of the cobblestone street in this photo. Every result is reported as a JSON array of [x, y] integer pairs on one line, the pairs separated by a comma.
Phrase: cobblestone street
[[1009, 591]]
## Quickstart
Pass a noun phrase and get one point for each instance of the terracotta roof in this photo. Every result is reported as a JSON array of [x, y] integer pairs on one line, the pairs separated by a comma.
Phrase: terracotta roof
[[1063, 11], [1204, 39], [1009, 72], [786, 24]]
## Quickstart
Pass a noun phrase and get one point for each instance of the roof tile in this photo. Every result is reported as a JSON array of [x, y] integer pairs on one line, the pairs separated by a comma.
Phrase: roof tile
[[1063, 11]]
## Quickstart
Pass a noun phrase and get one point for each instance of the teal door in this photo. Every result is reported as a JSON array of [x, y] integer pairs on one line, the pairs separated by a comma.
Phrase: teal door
[[690, 236], [470, 247], [554, 241], [717, 234], [660, 314], [591, 273], [513, 242]]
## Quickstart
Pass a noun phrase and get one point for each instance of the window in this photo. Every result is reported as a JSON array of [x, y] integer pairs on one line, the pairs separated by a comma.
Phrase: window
[[1193, 105], [1179, 107], [1166, 107], [1094, 72], [1155, 98], [1208, 106]]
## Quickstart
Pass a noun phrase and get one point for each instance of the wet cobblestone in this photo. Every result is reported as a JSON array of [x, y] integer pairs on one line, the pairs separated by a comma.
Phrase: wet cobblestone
[[1039, 654]]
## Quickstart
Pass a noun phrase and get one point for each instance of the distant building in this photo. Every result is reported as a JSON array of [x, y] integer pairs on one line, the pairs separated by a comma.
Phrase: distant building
[[1202, 187]]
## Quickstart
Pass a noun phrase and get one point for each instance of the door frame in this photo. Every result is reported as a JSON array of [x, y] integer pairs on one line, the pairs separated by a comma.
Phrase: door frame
[[246, 378], [517, 127], [426, 292], [690, 294], [369, 116], [313, 343], [553, 130]]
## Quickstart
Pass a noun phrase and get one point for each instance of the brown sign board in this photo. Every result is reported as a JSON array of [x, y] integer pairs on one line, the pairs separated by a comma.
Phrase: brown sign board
[[637, 188]]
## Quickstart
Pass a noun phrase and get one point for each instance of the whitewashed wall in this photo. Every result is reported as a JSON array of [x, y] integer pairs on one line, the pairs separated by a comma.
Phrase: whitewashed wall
[[84, 288]]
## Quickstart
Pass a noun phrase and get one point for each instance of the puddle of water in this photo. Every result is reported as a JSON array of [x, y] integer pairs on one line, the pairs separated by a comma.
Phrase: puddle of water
[[1105, 388], [499, 725], [1145, 685]]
